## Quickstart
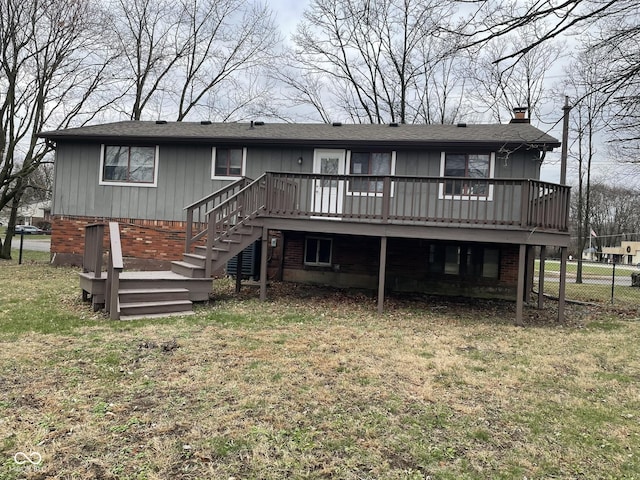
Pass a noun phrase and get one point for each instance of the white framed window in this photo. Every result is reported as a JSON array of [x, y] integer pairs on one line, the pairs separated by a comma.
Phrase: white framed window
[[129, 165], [471, 171], [228, 163], [317, 251], [362, 162]]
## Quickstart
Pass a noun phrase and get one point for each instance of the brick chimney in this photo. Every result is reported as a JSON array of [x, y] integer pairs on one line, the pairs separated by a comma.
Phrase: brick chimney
[[520, 115]]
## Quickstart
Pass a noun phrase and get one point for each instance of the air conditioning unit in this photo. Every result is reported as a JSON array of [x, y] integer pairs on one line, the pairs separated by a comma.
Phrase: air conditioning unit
[[250, 267]]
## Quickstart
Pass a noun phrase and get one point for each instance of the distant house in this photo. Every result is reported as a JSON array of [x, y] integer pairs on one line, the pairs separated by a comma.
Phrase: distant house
[[446, 209], [627, 253], [34, 213]]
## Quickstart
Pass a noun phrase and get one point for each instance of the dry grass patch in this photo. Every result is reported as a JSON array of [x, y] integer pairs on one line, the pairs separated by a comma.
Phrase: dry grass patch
[[313, 384]]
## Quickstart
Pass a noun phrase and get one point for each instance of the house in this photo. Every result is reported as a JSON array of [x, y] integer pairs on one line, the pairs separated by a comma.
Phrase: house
[[446, 209], [35, 213], [627, 253]]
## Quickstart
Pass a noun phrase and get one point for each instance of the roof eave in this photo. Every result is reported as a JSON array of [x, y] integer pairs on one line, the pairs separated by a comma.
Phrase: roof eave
[[316, 143]]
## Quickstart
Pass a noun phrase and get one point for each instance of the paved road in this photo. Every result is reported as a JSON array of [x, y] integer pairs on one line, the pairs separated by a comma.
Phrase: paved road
[[40, 245]]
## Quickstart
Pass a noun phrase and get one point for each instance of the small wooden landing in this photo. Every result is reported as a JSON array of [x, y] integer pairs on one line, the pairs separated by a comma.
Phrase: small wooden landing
[[94, 287]]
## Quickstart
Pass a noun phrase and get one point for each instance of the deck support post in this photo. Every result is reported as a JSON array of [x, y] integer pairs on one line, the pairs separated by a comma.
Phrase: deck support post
[[521, 281], [563, 283], [263, 264], [239, 271], [528, 279], [382, 273], [543, 257]]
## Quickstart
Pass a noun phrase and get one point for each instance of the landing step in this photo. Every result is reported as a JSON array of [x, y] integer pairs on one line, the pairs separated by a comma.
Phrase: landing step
[[135, 295], [155, 304], [157, 315], [155, 308]]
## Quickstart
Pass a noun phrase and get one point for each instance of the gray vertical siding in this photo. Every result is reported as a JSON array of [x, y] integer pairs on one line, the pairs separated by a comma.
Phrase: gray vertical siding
[[184, 176]]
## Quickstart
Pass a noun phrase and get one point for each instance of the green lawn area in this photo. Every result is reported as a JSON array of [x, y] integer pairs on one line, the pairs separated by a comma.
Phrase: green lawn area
[[599, 269], [589, 291], [313, 384]]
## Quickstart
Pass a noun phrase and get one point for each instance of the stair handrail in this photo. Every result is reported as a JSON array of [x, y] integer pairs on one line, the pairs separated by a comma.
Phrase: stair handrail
[[116, 265], [232, 213], [204, 205]]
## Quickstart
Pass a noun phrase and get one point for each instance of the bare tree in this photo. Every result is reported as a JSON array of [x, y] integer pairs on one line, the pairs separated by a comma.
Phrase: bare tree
[[606, 27], [498, 88], [179, 56], [49, 77], [374, 59], [615, 214], [587, 123]]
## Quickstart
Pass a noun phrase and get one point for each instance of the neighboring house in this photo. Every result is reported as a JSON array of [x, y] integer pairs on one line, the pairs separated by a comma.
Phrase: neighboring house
[[445, 209], [627, 253], [34, 213]]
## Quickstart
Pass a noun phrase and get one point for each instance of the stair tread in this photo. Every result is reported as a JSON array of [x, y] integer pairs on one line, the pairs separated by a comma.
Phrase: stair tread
[[155, 303], [187, 264], [157, 315], [152, 290], [194, 255]]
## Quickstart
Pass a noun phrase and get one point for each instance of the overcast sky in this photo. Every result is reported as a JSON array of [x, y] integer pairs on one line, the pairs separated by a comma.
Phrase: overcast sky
[[288, 13]]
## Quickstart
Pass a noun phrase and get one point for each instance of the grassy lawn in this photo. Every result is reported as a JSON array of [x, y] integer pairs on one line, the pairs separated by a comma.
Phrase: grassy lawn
[[312, 384], [590, 269]]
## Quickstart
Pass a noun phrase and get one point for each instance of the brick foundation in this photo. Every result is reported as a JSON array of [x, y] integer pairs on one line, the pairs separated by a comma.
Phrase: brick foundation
[[149, 242], [355, 264]]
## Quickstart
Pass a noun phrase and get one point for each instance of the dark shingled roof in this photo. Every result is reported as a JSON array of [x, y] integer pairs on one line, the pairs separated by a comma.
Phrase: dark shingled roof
[[316, 135]]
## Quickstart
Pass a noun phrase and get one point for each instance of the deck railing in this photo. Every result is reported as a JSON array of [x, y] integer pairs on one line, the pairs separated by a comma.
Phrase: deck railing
[[489, 203], [519, 203], [225, 217], [197, 211]]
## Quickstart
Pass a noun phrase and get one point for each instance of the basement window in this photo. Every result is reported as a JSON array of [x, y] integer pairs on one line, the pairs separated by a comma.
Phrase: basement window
[[129, 165], [475, 261], [317, 251]]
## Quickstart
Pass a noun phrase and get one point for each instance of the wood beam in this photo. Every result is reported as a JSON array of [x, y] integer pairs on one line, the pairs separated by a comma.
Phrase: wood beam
[[521, 280], [239, 271], [528, 278], [263, 263], [563, 284], [382, 273], [543, 258]]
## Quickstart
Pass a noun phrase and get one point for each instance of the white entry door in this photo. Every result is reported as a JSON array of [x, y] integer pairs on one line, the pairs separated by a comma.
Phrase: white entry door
[[328, 193]]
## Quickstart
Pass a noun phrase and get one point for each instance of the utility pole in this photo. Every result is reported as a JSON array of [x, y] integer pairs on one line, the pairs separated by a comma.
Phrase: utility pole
[[565, 140]]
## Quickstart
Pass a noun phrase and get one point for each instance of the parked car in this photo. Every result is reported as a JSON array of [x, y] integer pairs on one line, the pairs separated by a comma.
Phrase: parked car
[[29, 230]]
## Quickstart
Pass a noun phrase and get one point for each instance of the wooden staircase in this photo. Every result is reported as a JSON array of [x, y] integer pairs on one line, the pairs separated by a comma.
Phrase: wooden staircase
[[219, 219], [225, 247]]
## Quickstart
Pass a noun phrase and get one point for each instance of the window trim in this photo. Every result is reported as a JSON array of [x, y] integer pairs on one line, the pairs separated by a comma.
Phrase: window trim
[[317, 264], [353, 193], [111, 183], [243, 167], [488, 197]]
